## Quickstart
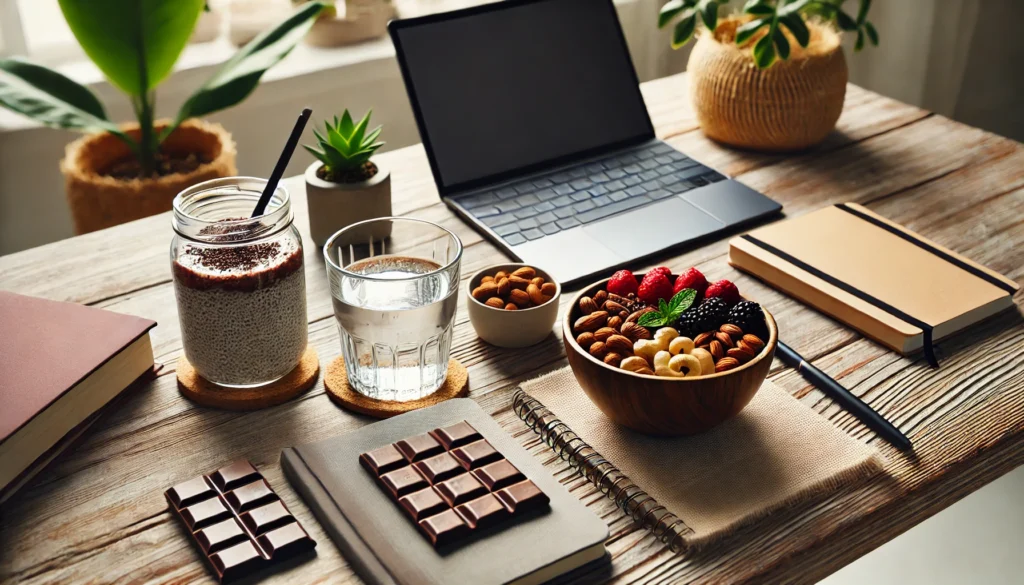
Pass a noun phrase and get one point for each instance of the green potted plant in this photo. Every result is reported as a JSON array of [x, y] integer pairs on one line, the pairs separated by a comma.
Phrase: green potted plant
[[345, 185], [117, 173], [772, 77]]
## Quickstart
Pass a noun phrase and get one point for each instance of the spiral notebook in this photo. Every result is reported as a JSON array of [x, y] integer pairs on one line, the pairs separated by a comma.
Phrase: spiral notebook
[[776, 455]]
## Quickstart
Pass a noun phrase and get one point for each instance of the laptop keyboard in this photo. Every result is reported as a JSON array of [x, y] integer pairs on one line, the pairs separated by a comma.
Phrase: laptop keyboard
[[542, 206]]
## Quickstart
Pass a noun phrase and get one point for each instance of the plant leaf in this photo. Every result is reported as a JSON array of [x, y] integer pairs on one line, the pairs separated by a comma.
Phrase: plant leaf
[[796, 25], [793, 7], [872, 33], [683, 31], [372, 136], [746, 31], [709, 13], [669, 11], [862, 14], [781, 43], [680, 302], [345, 126], [357, 135], [764, 52], [53, 99], [759, 9], [857, 46], [752, 4], [135, 43], [237, 78], [845, 22], [318, 154], [651, 319]]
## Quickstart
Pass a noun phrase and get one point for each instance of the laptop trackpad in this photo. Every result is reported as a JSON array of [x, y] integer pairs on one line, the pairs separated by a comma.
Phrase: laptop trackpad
[[653, 228]]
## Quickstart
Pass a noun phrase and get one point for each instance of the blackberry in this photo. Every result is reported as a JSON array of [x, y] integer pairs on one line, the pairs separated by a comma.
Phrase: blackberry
[[708, 316], [748, 316]]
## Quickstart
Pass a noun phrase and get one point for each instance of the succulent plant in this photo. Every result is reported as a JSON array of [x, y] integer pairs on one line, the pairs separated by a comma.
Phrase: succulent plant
[[346, 148]]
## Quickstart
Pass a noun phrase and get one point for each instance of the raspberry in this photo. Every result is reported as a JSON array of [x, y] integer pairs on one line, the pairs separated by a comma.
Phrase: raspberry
[[664, 270], [622, 283], [692, 278], [655, 286], [724, 290]]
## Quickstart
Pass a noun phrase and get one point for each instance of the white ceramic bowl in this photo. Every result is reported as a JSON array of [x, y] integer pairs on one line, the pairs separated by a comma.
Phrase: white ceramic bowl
[[511, 328]]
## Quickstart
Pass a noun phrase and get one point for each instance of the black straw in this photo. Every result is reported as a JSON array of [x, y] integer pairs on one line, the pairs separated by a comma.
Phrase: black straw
[[282, 163]]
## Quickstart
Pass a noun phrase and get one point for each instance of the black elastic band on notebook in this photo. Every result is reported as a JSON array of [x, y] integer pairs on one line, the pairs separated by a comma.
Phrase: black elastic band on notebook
[[929, 351], [930, 248]]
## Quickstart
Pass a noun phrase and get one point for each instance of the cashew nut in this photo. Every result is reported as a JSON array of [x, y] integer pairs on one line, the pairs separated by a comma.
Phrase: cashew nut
[[686, 362], [634, 364], [707, 361], [680, 345], [661, 359], [649, 347]]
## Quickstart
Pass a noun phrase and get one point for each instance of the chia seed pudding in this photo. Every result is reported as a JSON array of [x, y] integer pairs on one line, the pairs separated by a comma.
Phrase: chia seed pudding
[[240, 285]]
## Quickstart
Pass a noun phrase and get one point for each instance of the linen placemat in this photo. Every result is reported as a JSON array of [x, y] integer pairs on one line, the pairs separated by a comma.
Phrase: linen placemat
[[776, 453]]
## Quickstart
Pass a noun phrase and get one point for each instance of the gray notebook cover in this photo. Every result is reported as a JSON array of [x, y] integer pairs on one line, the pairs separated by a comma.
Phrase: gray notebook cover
[[384, 546]]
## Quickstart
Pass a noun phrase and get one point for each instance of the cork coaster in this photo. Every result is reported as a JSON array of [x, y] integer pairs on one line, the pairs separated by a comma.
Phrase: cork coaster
[[456, 385], [202, 391]]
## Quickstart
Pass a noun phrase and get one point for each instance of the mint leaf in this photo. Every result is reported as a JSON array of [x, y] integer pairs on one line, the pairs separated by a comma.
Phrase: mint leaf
[[651, 319]]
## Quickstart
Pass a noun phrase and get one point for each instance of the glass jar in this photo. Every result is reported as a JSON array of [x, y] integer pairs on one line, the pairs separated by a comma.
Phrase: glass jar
[[239, 282]]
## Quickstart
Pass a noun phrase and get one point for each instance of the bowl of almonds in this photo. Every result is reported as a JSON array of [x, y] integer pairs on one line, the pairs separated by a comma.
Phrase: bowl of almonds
[[668, 354], [513, 305]]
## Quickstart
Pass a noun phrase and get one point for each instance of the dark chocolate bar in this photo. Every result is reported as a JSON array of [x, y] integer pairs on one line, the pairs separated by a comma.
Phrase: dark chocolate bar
[[238, 522], [451, 482]]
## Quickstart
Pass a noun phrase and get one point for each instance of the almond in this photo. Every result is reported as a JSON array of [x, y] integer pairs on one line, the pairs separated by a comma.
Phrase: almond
[[585, 339], [504, 287], [486, 279], [704, 338], [598, 349], [495, 302], [612, 359], [724, 338], [613, 307], [485, 291], [500, 274], [591, 322], [617, 298], [754, 342], [620, 344], [615, 322], [511, 307], [518, 282], [548, 288], [535, 295], [733, 330], [600, 297], [604, 333], [741, 355], [538, 280], [524, 272], [716, 349], [726, 363], [587, 305], [747, 348], [634, 331], [519, 297], [623, 314], [632, 318]]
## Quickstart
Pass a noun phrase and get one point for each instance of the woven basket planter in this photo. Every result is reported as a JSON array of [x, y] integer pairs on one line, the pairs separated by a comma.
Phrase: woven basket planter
[[98, 201], [792, 105]]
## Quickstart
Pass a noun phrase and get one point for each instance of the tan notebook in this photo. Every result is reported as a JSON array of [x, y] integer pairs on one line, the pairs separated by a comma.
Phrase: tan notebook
[[60, 364], [876, 276]]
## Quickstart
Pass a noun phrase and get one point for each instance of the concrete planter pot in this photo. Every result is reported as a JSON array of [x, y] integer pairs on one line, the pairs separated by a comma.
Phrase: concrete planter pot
[[334, 206]]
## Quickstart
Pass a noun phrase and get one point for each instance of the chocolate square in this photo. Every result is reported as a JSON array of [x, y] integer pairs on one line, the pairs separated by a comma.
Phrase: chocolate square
[[232, 476], [403, 481], [476, 454], [419, 447], [456, 435], [439, 468]]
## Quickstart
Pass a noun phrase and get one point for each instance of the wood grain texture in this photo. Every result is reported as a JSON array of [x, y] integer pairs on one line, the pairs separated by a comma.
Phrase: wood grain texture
[[97, 514], [664, 406]]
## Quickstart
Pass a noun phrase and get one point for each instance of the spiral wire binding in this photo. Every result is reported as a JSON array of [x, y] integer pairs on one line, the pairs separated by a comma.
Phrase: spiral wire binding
[[633, 501]]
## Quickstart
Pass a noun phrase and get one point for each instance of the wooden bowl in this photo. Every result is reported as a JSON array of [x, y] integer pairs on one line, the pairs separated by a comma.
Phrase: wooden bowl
[[658, 405]]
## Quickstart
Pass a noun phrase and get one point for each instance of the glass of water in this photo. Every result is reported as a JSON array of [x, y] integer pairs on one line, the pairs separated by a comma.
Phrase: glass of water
[[394, 299]]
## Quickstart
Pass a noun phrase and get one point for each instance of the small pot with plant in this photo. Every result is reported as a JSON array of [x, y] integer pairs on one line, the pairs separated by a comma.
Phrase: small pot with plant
[[773, 77], [118, 173], [345, 185]]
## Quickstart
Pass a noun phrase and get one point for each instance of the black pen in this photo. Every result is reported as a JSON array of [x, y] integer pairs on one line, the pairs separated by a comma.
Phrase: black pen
[[844, 398]]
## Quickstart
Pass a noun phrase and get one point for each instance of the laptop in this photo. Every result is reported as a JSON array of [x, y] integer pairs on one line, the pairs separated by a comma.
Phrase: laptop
[[531, 116]]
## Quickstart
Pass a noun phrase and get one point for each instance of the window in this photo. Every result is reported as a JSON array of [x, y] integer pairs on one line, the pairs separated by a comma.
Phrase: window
[[36, 28]]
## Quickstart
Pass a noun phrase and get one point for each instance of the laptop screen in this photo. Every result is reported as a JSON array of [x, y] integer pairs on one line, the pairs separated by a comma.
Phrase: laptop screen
[[502, 89]]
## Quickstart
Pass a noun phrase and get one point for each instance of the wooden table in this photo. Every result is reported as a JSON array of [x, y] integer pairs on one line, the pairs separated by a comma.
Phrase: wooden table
[[98, 513]]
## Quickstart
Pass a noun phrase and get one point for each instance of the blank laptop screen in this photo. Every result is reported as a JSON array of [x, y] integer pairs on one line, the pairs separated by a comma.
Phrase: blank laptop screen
[[498, 92]]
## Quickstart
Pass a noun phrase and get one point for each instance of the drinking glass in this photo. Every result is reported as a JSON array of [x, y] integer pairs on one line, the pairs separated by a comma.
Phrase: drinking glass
[[394, 300]]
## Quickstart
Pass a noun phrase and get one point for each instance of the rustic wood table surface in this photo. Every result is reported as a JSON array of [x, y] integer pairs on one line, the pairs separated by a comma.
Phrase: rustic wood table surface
[[98, 515]]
